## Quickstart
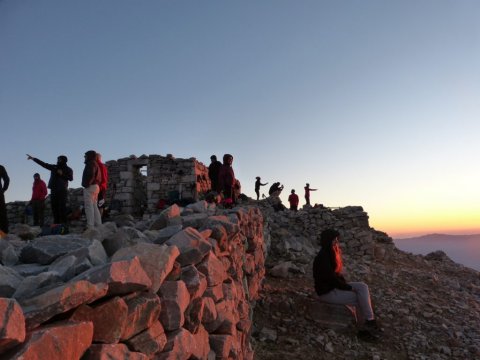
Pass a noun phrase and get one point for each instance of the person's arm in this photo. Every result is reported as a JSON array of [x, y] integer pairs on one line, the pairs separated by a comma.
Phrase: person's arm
[[41, 163], [264, 184]]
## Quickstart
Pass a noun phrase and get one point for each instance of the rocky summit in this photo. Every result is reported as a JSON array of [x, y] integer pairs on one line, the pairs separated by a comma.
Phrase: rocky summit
[[202, 282], [428, 306]]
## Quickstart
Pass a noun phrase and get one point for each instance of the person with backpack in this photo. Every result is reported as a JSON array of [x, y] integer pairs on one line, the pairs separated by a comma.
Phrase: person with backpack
[[91, 180], [331, 286], [103, 184], [60, 175]]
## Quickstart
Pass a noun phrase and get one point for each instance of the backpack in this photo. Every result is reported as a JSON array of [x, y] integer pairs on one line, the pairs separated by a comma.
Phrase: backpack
[[54, 229]]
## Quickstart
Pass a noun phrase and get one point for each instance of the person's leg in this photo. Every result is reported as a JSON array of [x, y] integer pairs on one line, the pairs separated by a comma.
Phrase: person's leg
[[3, 214], [41, 212], [62, 206], [36, 212], [54, 200], [97, 217], [258, 194], [364, 301], [89, 205]]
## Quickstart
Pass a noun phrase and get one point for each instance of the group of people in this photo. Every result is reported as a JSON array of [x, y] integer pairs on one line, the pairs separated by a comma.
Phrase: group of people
[[94, 183], [222, 178]]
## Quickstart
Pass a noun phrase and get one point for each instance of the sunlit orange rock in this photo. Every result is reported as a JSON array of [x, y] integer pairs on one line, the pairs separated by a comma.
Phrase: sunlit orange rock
[[12, 324]]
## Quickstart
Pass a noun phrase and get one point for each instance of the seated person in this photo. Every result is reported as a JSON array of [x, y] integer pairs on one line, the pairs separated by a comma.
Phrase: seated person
[[331, 286], [275, 189]]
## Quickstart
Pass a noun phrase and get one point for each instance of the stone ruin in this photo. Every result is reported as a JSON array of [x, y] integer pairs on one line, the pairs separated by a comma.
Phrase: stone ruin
[[137, 184]]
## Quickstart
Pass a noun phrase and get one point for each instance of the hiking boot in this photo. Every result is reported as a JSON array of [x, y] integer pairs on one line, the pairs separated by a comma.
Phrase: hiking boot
[[370, 331], [366, 335]]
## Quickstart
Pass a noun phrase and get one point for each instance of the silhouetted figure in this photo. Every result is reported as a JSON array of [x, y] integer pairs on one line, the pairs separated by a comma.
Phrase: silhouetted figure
[[226, 179], [4, 182], [39, 194], [103, 185], [293, 200], [331, 287], [257, 187], [91, 180], [60, 175], [307, 193], [275, 189], [213, 172]]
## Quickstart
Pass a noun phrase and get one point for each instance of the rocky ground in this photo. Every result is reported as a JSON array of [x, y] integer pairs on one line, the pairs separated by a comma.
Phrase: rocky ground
[[428, 307]]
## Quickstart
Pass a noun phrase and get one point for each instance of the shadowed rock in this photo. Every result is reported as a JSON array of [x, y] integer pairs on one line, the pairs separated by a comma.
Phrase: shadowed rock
[[9, 281], [46, 249], [175, 299]]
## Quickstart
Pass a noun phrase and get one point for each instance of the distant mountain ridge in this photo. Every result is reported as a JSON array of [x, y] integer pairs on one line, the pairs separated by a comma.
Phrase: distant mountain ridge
[[463, 249], [436, 237]]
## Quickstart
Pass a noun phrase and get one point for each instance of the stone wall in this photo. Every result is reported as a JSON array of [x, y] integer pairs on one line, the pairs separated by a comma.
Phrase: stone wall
[[179, 285]]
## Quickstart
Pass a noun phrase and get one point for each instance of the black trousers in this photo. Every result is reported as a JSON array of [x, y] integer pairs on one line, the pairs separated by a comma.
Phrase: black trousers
[[3, 214], [59, 206]]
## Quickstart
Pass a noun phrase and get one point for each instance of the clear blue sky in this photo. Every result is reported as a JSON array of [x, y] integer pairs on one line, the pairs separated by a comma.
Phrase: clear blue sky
[[375, 103]]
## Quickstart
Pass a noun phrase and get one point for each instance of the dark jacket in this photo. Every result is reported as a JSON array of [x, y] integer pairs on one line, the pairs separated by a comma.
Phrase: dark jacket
[[4, 179], [60, 175], [213, 171], [326, 279], [92, 174]]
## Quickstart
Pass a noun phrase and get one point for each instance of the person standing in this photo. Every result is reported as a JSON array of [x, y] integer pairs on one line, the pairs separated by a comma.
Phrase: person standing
[[213, 171], [226, 179], [39, 193], [103, 185], [307, 193], [91, 180], [293, 200], [4, 183], [257, 187], [60, 175]]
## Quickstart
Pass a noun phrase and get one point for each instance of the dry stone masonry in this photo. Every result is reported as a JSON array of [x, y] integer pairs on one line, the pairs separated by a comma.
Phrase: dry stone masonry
[[180, 284]]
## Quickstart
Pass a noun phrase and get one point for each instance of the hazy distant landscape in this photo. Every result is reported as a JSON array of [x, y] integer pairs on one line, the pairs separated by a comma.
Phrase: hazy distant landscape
[[463, 249]]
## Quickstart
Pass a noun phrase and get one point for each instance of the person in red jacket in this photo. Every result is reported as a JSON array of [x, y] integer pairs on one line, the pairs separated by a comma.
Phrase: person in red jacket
[[39, 194], [293, 200], [103, 184]]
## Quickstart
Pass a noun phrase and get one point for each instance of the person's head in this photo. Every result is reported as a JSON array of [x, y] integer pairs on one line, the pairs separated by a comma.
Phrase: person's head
[[36, 176], [293, 191], [328, 237], [308, 184], [213, 158], [329, 242], [227, 159], [90, 155], [258, 178], [62, 160]]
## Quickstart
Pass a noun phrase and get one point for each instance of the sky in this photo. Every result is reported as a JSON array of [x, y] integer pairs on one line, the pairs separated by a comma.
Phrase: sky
[[374, 103]]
